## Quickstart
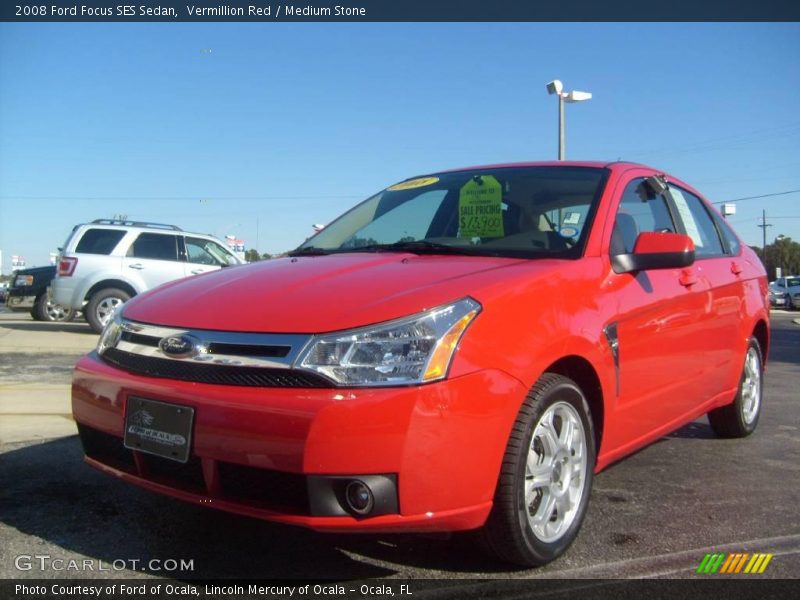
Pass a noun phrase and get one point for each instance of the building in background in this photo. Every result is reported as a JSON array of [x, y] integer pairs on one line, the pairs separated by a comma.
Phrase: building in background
[[17, 262], [236, 245]]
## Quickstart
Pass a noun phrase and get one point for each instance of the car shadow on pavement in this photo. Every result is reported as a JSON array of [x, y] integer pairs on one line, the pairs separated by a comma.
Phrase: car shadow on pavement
[[77, 327], [52, 495], [698, 430]]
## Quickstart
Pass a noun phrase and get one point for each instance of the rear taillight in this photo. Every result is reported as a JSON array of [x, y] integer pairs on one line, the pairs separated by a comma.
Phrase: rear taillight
[[66, 266]]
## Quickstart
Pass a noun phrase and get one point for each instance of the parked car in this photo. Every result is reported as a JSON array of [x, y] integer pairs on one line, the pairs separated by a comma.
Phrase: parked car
[[3, 290], [787, 288], [29, 294], [777, 297], [461, 351], [106, 262]]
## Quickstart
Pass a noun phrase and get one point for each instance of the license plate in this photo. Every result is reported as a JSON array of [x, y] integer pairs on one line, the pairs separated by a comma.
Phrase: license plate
[[159, 428]]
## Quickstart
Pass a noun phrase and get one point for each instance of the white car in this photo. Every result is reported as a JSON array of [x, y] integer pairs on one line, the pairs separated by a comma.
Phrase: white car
[[106, 262]]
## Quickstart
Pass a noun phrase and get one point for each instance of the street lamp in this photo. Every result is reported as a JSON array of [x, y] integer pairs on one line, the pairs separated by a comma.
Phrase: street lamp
[[557, 88]]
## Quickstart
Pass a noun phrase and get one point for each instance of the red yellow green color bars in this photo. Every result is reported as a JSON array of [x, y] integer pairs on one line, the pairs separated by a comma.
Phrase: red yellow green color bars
[[719, 562]]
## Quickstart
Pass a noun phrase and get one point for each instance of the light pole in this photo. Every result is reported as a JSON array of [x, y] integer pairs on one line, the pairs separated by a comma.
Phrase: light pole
[[557, 88]]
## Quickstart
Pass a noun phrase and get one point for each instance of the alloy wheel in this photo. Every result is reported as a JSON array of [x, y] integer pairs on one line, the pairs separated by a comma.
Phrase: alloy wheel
[[555, 473]]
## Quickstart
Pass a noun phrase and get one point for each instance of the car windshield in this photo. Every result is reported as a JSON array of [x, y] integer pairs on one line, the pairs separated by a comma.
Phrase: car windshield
[[513, 211]]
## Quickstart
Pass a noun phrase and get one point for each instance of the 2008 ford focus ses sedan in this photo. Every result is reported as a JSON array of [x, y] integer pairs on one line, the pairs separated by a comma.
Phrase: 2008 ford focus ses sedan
[[461, 351]]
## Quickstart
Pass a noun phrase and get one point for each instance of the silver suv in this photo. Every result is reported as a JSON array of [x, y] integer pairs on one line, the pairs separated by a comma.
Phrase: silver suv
[[106, 262]]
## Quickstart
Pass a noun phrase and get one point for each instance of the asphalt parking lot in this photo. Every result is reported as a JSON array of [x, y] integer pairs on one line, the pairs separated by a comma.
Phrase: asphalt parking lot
[[654, 514]]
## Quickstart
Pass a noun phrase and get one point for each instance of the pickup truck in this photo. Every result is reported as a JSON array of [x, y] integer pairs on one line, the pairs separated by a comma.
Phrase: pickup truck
[[28, 292]]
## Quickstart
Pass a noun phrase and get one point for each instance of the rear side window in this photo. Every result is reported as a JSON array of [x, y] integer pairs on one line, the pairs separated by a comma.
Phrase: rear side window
[[697, 223], [156, 246], [731, 241], [99, 241]]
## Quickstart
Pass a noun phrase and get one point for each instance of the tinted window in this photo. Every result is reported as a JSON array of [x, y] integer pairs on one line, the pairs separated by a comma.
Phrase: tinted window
[[640, 209], [156, 246], [697, 223], [99, 241], [206, 252]]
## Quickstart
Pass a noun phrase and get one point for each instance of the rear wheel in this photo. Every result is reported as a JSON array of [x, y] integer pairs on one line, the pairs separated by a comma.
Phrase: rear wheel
[[546, 477], [101, 306], [47, 310], [739, 419]]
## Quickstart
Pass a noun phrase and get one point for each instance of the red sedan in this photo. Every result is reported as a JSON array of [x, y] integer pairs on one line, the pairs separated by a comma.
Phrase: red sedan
[[462, 350]]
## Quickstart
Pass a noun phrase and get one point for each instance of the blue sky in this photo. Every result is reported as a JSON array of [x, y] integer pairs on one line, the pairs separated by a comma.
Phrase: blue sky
[[261, 130]]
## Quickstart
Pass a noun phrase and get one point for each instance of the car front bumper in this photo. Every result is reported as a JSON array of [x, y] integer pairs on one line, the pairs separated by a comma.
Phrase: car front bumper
[[20, 303], [279, 453]]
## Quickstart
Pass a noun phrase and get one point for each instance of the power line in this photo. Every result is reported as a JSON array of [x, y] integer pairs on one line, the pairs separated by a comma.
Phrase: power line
[[756, 197]]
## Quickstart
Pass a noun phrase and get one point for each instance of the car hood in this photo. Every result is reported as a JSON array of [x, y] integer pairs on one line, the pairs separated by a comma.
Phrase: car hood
[[36, 271], [323, 293]]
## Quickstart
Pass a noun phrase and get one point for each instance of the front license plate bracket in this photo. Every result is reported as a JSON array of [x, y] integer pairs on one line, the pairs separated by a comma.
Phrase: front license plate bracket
[[159, 428]]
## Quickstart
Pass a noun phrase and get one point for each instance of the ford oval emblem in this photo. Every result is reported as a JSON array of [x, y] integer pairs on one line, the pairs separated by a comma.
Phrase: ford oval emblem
[[180, 346]]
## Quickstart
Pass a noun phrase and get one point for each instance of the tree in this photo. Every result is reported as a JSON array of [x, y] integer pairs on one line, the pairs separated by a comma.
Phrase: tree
[[783, 253], [252, 255]]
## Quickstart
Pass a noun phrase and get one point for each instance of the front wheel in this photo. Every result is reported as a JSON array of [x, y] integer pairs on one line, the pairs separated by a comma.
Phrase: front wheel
[[47, 310], [739, 418], [546, 477], [101, 307]]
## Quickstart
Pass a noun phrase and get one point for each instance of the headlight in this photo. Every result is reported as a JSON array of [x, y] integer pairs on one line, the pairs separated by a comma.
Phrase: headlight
[[416, 349], [23, 280], [111, 333]]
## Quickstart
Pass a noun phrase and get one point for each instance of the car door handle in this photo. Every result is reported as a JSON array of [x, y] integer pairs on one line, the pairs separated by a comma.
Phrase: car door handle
[[736, 268], [687, 278], [197, 271], [137, 266]]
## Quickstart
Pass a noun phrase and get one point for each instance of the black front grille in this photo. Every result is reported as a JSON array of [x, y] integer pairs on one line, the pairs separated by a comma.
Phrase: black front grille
[[253, 486], [210, 373], [105, 448], [273, 489], [188, 475]]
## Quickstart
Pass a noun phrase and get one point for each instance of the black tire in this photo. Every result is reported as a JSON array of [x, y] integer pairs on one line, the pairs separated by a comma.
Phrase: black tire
[[740, 418], [45, 310], [101, 304], [509, 534]]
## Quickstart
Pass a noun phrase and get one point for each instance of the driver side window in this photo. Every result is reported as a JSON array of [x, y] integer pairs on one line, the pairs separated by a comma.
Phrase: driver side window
[[640, 209]]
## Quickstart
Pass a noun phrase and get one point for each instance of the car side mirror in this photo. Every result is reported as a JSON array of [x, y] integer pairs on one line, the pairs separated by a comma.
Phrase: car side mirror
[[654, 250]]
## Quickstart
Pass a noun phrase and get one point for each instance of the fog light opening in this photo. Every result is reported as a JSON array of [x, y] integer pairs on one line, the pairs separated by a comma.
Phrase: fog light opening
[[359, 497]]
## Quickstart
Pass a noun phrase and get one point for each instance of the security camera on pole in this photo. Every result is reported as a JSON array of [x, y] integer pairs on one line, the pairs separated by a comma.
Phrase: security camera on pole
[[557, 88]]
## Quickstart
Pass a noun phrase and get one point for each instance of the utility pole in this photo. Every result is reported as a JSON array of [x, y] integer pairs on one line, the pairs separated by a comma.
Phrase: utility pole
[[764, 226]]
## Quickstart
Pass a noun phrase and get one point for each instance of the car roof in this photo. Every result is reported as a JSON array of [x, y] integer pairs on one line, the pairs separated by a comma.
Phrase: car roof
[[554, 163], [141, 226]]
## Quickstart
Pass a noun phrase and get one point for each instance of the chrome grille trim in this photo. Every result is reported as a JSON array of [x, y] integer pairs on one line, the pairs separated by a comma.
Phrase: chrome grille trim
[[222, 348]]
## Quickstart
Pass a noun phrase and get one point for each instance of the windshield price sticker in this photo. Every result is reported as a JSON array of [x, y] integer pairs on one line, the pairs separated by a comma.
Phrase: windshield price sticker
[[413, 183], [480, 208]]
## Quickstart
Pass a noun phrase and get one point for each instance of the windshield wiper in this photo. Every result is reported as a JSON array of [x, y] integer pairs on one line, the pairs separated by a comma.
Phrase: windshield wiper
[[415, 247], [309, 251]]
